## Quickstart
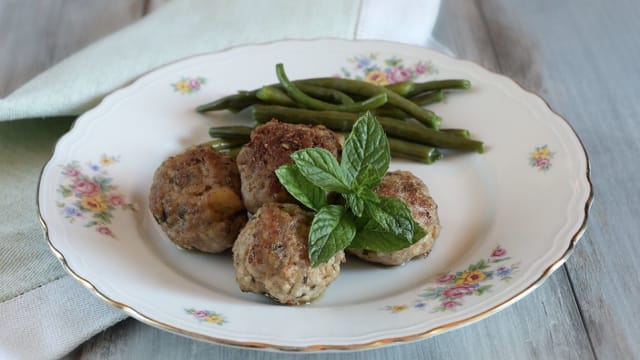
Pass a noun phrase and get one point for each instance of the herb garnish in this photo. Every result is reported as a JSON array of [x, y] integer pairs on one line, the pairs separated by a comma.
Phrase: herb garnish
[[366, 220]]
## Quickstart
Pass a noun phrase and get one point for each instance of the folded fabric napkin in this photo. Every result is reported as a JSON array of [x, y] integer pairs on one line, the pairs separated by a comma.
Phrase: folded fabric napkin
[[44, 312]]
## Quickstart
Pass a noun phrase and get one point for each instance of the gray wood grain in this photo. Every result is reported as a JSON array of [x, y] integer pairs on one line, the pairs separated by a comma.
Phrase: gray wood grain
[[590, 60], [152, 5], [35, 34]]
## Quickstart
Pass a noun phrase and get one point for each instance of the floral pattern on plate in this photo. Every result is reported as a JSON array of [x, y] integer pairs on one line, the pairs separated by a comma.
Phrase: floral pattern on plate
[[207, 316], [451, 288], [541, 158], [188, 85], [387, 71], [89, 195]]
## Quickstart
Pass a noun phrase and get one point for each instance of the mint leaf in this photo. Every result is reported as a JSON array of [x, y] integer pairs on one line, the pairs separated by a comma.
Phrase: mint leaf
[[355, 203], [321, 168], [378, 240], [393, 216], [372, 237], [332, 230], [366, 220], [368, 195], [367, 178], [300, 188], [418, 232], [366, 145]]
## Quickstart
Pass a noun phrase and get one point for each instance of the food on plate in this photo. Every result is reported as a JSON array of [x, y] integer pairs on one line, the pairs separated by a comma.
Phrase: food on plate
[[356, 217], [270, 147], [415, 193], [394, 128], [312, 196], [231, 138], [195, 197], [336, 103], [270, 256]]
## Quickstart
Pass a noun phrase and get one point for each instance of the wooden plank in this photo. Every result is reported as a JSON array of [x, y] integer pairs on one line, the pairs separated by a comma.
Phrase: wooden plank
[[589, 52], [35, 35], [152, 5], [461, 27]]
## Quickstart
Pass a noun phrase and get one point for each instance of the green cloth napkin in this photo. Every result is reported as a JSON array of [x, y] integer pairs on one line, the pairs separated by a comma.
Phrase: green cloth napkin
[[180, 28]]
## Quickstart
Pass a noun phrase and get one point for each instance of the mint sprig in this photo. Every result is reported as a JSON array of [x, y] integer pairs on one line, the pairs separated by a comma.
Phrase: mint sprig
[[366, 220]]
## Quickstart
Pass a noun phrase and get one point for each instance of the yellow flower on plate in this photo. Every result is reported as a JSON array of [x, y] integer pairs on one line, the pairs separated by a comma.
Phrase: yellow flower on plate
[[93, 203], [398, 308], [377, 77], [106, 160], [542, 153], [182, 86], [214, 319], [471, 277]]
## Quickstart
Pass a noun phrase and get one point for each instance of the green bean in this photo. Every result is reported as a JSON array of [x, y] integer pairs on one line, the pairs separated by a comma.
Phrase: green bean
[[390, 111], [340, 121], [439, 85], [414, 151], [411, 150], [428, 97], [273, 95], [233, 103], [233, 151], [324, 93], [458, 132], [349, 86], [315, 104], [230, 132], [224, 144], [401, 88]]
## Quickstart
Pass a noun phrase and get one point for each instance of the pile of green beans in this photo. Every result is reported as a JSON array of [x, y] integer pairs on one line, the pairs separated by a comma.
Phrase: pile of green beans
[[229, 140], [414, 132]]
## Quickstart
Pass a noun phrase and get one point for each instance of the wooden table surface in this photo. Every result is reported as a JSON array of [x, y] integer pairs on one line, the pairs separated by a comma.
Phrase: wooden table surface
[[583, 57]]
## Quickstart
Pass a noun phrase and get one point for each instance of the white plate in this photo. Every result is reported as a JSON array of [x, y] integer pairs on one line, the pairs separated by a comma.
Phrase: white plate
[[509, 217]]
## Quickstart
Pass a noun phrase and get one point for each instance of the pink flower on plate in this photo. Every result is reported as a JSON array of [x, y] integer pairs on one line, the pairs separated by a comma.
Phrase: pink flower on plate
[[498, 252], [457, 291], [194, 84], [543, 163], [71, 172], [104, 230], [421, 68], [115, 200], [86, 188], [446, 278], [450, 304], [201, 314], [398, 75]]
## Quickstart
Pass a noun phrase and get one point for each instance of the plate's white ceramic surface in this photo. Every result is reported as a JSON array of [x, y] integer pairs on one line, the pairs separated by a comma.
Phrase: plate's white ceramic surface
[[509, 216]]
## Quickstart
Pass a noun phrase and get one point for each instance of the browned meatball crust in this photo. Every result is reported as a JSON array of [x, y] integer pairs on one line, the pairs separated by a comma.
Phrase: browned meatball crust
[[270, 147], [196, 199], [413, 191], [270, 256]]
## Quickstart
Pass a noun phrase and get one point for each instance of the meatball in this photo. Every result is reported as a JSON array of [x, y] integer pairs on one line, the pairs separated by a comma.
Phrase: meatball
[[270, 147], [270, 256], [196, 199], [410, 189]]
